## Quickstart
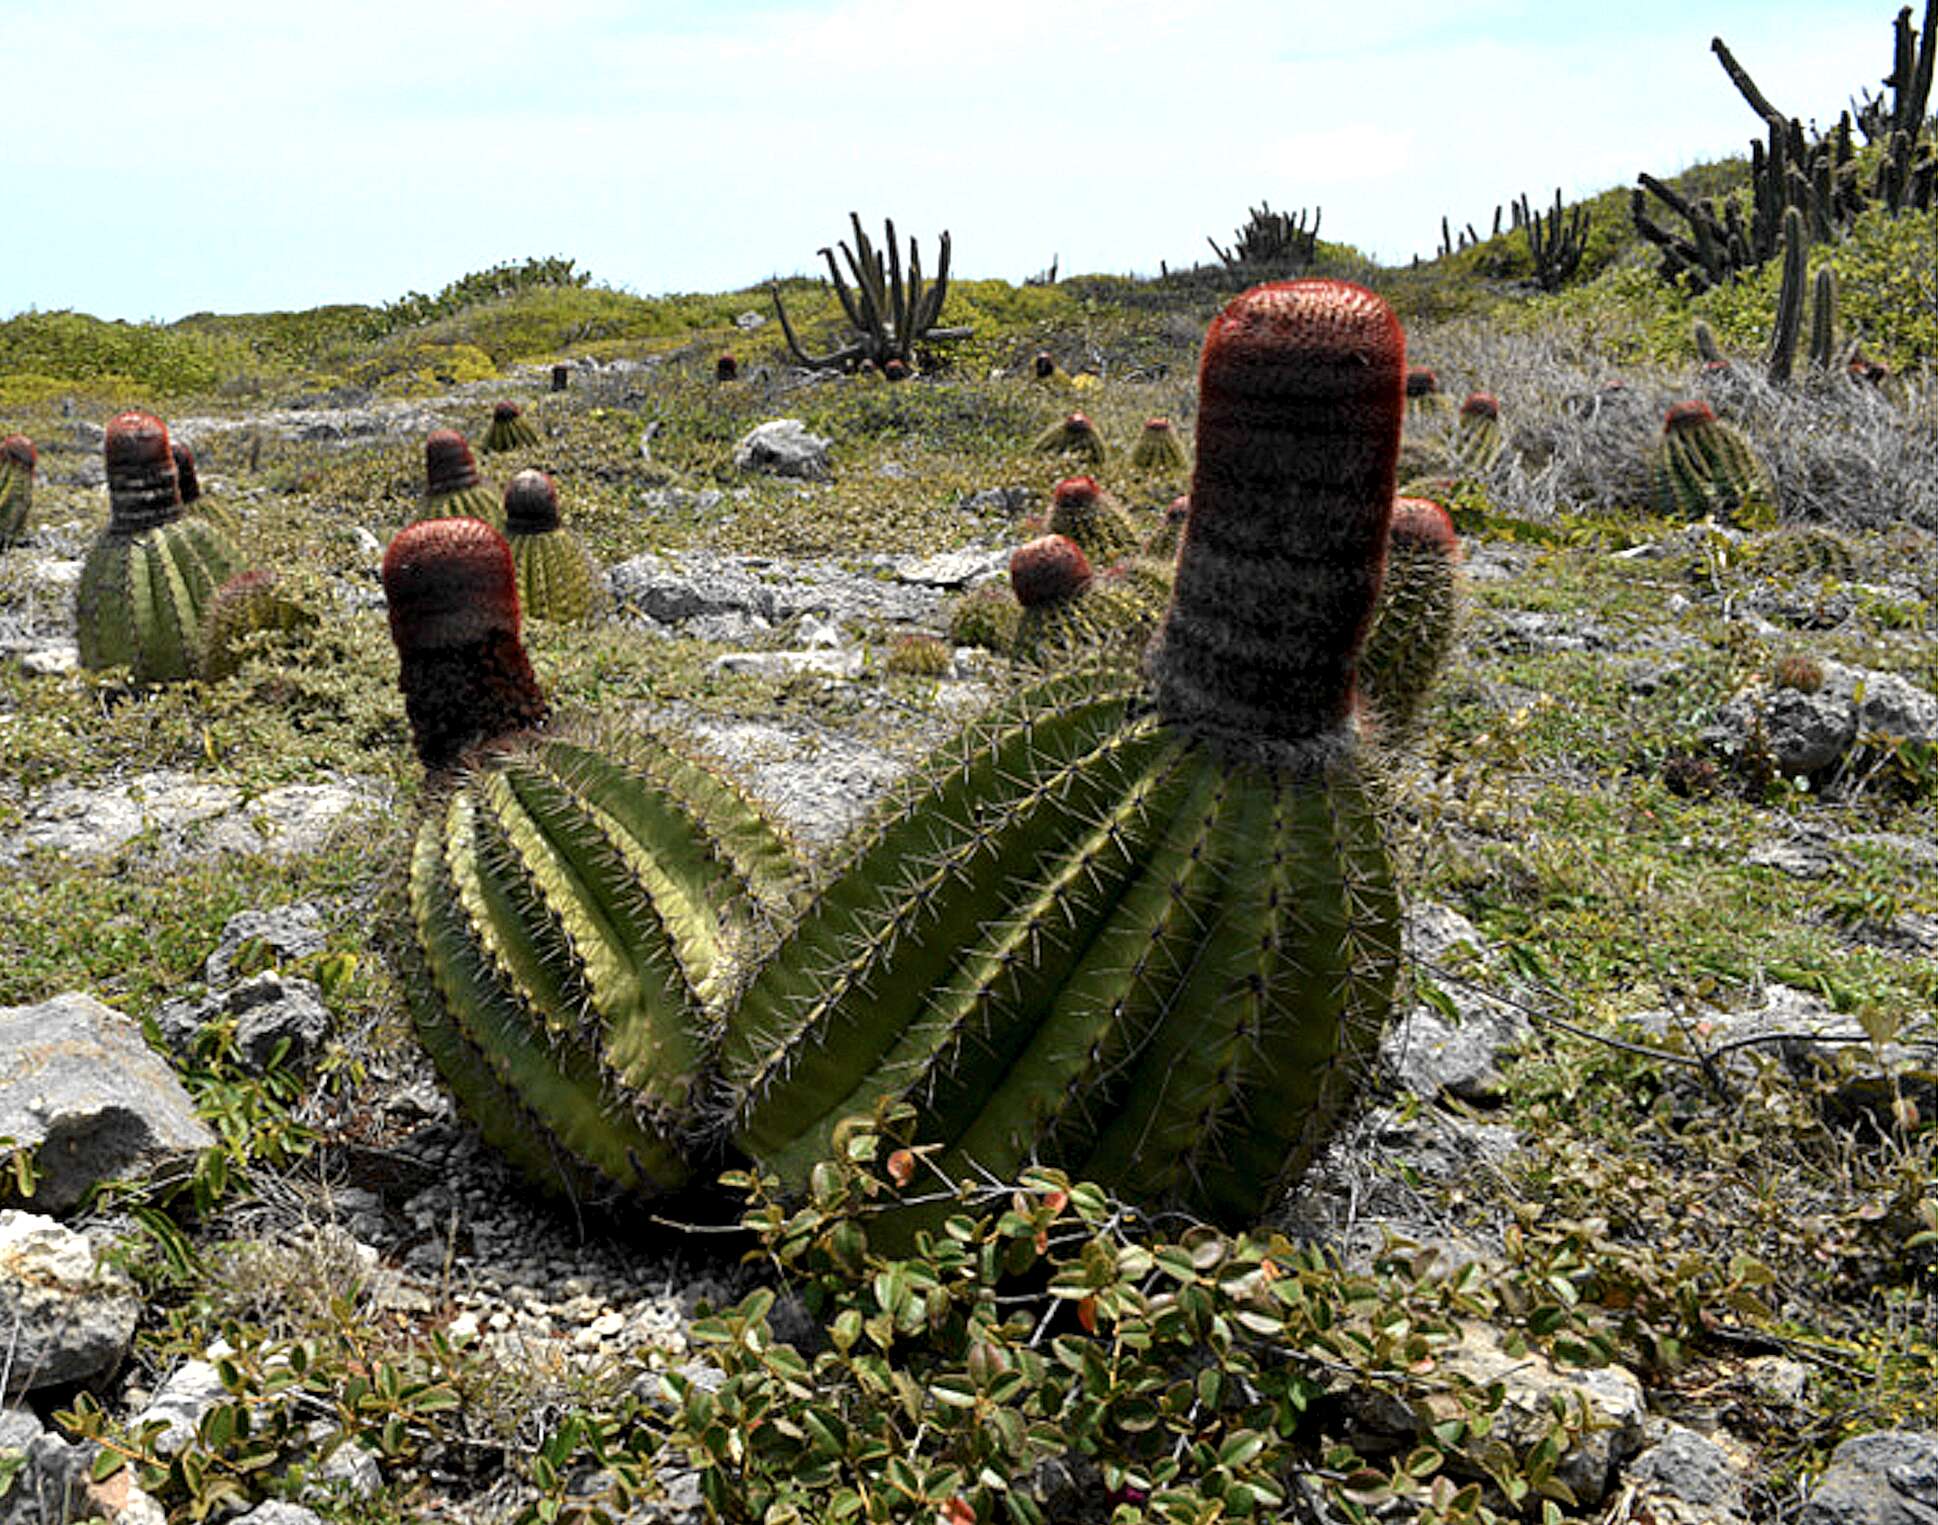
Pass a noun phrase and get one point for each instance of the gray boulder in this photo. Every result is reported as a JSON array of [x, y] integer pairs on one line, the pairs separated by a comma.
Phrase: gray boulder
[[70, 1316], [1685, 1478], [81, 1089], [289, 932], [1431, 1052], [1804, 734], [783, 447], [269, 1012], [1890, 1478]]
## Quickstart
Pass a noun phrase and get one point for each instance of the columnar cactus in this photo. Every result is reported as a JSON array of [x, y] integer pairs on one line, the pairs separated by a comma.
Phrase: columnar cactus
[[1158, 448], [1703, 467], [1081, 509], [1477, 435], [1074, 434], [18, 459], [1413, 626], [150, 574], [1152, 939], [452, 487], [577, 907], [557, 579], [256, 602], [510, 429]]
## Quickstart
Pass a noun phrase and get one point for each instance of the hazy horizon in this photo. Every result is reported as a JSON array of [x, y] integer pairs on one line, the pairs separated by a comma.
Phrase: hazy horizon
[[212, 158]]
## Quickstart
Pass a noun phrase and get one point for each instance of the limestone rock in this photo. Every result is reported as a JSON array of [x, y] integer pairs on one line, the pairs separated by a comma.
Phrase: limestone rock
[[70, 1316], [269, 1013], [1890, 1478], [783, 447]]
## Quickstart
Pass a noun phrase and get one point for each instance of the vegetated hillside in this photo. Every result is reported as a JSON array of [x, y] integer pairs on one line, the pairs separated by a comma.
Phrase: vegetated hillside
[[1661, 1117]]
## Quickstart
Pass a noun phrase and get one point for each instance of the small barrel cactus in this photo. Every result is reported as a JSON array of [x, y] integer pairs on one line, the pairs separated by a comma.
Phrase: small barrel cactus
[[726, 368], [149, 576], [189, 482], [1161, 545], [986, 616], [452, 487], [1413, 626], [257, 603], [1423, 394], [1159, 449], [18, 460], [577, 906], [1073, 434], [1069, 612], [1478, 442], [1703, 467], [510, 429], [557, 578], [1081, 509], [1150, 938], [1813, 552], [916, 654]]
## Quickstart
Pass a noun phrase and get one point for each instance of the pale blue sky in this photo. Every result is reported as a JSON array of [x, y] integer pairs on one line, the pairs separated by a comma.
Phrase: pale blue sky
[[171, 156]]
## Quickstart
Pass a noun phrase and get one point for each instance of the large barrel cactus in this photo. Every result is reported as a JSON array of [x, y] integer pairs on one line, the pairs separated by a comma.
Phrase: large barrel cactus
[[1413, 627], [557, 579], [18, 458], [150, 574], [452, 487], [579, 906], [1151, 937]]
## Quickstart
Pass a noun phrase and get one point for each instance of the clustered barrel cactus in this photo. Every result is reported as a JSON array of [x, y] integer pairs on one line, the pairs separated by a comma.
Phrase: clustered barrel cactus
[[557, 579], [452, 487], [1145, 932], [18, 459], [1703, 467], [510, 429], [1413, 627], [149, 576]]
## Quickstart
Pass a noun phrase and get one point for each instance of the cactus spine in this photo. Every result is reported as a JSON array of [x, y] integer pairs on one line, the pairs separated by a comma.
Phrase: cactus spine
[[452, 487], [510, 429], [150, 574], [18, 458], [1702, 467], [557, 579], [1152, 940], [1413, 626], [574, 908]]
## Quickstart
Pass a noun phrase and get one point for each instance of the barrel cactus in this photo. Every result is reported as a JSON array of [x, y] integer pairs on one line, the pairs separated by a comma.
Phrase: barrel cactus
[[1148, 936], [1161, 544], [1081, 509], [1413, 626], [578, 906], [1158, 448], [510, 429], [452, 487], [1068, 611], [1703, 467], [149, 576], [188, 482], [1423, 394], [1076, 435], [557, 579], [1477, 433], [257, 603], [986, 616], [18, 460]]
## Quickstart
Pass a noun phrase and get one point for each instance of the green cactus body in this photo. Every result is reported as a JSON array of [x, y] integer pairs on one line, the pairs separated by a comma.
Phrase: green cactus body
[[149, 577], [1161, 545], [987, 617], [1478, 441], [510, 429], [1158, 449], [918, 654], [1083, 511], [250, 604], [557, 579], [1413, 627], [1074, 435], [1150, 938], [1703, 467], [18, 458], [189, 482], [453, 488]]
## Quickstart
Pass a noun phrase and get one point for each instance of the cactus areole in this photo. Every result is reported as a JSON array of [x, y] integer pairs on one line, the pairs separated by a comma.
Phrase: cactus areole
[[1302, 399], [448, 463], [142, 488], [453, 602], [531, 504], [1048, 570]]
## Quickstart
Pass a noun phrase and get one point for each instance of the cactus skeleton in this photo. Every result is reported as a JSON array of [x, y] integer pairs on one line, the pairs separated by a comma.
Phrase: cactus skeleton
[[150, 574]]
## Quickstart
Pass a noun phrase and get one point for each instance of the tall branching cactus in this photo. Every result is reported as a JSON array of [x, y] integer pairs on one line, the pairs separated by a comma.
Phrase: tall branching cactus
[[889, 317], [149, 576], [1151, 937], [18, 459], [578, 907]]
